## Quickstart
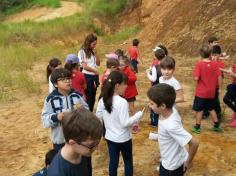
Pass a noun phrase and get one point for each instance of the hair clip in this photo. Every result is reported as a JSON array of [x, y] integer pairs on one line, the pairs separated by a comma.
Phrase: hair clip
[[109, 80]]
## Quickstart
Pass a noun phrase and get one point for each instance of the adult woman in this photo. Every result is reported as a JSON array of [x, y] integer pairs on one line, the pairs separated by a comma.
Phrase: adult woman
[[89, 60]]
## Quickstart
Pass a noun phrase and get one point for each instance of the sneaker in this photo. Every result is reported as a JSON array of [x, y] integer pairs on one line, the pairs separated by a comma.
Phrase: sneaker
[[217, 129], [233, 124], [196, 130]]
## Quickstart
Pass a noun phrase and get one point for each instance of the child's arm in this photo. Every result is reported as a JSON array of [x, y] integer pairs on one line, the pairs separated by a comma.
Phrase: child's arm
[[100, 109], [152, 77], [179, 96], [193, 146]]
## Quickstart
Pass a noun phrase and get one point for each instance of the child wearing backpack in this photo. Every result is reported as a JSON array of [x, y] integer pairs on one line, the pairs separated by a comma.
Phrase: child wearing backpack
[[113, 110], [153, 75]]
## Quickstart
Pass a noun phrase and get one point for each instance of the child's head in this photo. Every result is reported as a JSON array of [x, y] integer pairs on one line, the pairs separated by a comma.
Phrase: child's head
[[161, 96], [124, 61], [61, 79], [119, 53], [71, 62], [164, 48], [167, 67], [215, 52], [159, 54], [82, 131], [111, 56], [205, 51], [115, 83], [135, 42], [53, 64], [212, 40], [49, 157], [113, 64]]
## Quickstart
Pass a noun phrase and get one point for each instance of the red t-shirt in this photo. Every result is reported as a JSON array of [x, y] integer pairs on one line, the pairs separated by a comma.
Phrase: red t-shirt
[[208, 73], [234, 70], [78, 81], [155, 62], [133, 52], [131, 90]]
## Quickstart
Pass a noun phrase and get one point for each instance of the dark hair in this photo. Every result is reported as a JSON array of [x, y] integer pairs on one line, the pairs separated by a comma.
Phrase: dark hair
[[135, 42], [59, 73], [125, 59], [87, 42], [160, 54], [168, 62], [205, 51], [119, 52], [49, 156], [53, 63], [162, 94], [212, 39], [164, 48], [112, 63], [80, 125], [114, 78], [70, 66], [216, 49]]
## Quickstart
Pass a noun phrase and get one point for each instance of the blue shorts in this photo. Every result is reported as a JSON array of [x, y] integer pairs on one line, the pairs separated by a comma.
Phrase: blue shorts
[[200, 104]]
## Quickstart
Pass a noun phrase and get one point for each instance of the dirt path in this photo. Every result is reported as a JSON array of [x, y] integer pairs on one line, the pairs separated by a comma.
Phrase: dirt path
[[43, 13]]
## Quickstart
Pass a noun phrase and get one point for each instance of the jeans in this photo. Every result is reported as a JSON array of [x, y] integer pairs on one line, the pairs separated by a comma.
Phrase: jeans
[[114, 152], [230, 97], [134, 64], [92, 84], [177, 172]]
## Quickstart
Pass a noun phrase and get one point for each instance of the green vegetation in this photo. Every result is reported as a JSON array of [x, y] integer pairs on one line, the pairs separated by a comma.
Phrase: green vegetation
[[23, 44]]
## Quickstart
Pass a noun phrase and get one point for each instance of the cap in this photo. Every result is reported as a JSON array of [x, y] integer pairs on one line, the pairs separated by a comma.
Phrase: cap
[[72, 58]]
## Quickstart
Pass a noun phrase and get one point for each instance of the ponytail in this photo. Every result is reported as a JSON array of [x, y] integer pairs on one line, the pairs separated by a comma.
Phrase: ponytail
[[53, 63], [114, 78]]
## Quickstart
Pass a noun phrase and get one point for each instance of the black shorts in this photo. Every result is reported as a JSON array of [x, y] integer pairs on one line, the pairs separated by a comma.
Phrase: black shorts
[[200, 104], [132, 99]]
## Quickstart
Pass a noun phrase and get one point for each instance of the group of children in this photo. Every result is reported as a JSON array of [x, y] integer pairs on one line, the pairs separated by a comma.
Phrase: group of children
[[76, 131]]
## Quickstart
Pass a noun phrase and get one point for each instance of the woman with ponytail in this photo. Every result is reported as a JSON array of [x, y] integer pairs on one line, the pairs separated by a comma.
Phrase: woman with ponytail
[[113, 111]]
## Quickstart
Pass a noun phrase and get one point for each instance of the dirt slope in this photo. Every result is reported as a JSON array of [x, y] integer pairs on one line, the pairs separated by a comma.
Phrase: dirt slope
[[43, 13], [183, 25]]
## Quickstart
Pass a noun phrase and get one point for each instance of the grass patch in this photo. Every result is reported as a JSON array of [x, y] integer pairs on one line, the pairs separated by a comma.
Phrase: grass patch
[[121, 35]]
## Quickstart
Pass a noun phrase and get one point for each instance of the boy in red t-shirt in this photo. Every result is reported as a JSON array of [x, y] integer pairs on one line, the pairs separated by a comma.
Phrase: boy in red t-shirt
[[208, 77], [133, 54]]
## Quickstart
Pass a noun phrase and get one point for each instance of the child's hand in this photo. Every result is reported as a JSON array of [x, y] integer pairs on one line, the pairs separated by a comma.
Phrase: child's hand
[[60, 116], [153, 136], [187, 165]]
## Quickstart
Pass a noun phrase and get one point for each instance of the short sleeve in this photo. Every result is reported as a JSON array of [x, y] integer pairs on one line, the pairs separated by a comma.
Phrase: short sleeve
[[176, 85], [81, 55], [196, 71], [180, 135]]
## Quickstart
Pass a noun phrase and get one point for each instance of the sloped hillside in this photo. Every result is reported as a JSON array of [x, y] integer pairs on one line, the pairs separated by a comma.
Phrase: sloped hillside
[[184, 25]]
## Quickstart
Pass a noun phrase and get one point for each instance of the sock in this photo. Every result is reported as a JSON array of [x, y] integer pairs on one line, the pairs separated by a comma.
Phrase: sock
[[216, 124], [197, 126]]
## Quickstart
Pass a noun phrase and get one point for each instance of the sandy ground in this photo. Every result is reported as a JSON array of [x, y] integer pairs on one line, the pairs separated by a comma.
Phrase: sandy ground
[[43, 13], [24, 142]]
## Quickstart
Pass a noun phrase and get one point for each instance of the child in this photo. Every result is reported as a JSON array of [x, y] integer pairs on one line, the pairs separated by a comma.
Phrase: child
[[131, 90], [133, 54], [54, 63], [62, 99], [113, 110], [172, 137], [153, 75], [167, 69], [112, 65], [78, 79], [162, 47], [82, 131], [48, 159], [208, 76], [119, 53], [230, 96]]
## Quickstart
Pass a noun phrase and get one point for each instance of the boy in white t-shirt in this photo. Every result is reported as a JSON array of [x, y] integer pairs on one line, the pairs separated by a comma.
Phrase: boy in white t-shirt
[[167, 69], [172, 137]]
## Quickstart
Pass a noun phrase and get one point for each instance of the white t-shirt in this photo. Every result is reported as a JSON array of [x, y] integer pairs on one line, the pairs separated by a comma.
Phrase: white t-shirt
[[172, 82], [50, 85], [153, 77], [172, 138], [91, 62], [117, 123]]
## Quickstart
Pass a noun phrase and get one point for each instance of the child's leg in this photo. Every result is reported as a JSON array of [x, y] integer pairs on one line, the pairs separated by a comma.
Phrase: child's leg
[[126, 151], [199, 118], [217, 105], [114, 153], [229, 98]]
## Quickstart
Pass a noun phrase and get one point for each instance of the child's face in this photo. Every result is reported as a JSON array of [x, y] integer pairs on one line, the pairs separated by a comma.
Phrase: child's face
[[93, 45], [167, 73], [86, 148], [215, 57], [64, 84], [155, 108], [122, 65]]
